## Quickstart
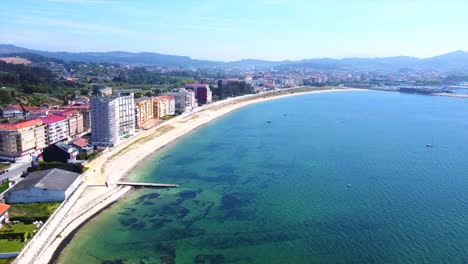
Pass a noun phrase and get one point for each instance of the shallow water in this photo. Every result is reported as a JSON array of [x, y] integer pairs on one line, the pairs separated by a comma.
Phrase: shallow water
[[321, 178]]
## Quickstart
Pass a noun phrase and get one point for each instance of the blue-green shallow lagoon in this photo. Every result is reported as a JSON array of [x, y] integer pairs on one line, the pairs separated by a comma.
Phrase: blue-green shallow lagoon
[[259, 192]]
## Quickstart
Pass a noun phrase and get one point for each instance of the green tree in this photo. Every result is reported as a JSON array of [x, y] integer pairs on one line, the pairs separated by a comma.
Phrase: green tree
[[84, 92], [6, 98], [96, 91]]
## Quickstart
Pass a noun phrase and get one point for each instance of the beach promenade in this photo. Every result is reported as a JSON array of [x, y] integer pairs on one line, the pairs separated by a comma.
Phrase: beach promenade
[[93, 195]]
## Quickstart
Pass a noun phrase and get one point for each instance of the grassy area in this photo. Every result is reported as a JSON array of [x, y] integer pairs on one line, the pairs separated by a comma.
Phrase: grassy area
[[167, 117], [26, 214], [15, 245], [6, 261], [4, 166], [34, 211], [164, 129], [128, 136], [4, 186]]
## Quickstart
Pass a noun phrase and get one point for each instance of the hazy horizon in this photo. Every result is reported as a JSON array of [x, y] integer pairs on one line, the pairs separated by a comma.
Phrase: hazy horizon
[[224, 31], [338, 58]]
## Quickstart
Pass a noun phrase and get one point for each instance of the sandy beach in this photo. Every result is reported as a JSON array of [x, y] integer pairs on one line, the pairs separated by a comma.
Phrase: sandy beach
[[93, 196]]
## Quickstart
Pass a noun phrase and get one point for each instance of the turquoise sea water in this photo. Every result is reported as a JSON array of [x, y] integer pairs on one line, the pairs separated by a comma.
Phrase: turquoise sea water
[[332, 178]]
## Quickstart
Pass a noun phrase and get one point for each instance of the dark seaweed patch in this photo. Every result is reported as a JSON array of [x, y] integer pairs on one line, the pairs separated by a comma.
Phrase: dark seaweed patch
[[149, 196], [237, 214], [240, 239], [149, 215], [223, 169], [166, 249], [173, 210], [209, 259], [138, 225], [117, 261], [127, 211], [235, 200], [189, 194], [127, 221], [185, 232], [167, 260], [159, 223]]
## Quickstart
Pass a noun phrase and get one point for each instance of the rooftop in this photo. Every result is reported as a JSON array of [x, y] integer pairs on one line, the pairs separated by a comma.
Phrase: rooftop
[[63, 112], [141, 99], [167, 97], [12, 107], [20, 125], [52, 119], [80, 142], [4, 208], [65, 147], [29, 108], [53, 179], [196, 85]]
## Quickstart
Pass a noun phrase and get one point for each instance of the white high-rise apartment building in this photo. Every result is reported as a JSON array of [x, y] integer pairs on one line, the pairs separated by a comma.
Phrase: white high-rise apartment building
[[111, 117]]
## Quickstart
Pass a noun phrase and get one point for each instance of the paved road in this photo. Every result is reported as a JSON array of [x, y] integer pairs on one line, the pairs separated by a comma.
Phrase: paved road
[[15, 170]]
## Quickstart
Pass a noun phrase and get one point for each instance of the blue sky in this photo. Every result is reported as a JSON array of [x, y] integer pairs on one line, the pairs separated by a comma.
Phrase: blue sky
[[236, 29]]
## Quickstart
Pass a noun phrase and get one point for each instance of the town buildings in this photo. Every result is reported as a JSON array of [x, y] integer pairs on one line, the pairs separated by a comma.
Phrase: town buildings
[[4, 214], [163, 106], [22, 138], [111, 117], [82, 145], [75, 121], [144, 111], [184, 99], [53, 185], [12, 111], [104, 121], [85, 111], [202, 92], [57, 128], [126, 104], [171, 104]]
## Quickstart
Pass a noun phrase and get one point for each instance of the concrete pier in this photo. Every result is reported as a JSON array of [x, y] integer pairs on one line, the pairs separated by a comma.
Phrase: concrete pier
[[148, 185]]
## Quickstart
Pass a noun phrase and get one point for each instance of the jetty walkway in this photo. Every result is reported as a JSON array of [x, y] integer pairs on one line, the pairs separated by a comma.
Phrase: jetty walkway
[[149, 185]]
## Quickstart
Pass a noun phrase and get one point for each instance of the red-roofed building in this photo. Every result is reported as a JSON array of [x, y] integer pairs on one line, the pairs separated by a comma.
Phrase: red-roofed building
[[82, 145], [4, 217], [75, 120], [27, 108], [57, 128], [37, 113], [22, 138], [12, 111], [85, 111]]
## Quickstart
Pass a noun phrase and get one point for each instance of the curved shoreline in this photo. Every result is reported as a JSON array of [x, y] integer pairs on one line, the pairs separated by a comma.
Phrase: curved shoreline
[[117, 163]]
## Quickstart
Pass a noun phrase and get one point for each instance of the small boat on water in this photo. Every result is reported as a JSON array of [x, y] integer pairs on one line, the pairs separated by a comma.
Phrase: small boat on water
[[428, 145], [349, 185]]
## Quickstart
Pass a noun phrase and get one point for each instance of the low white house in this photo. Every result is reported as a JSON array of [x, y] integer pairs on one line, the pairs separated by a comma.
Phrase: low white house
[[54, 185]]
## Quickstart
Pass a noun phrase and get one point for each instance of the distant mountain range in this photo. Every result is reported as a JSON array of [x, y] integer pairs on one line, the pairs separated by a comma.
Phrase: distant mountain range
[[454, 62]]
